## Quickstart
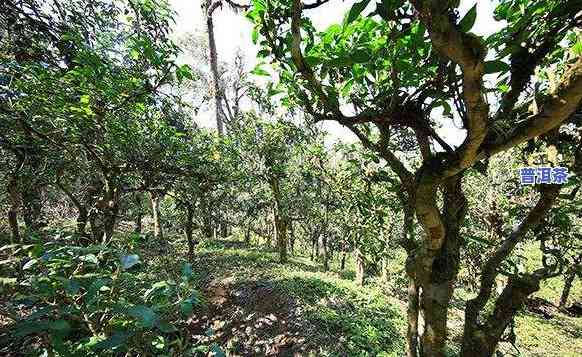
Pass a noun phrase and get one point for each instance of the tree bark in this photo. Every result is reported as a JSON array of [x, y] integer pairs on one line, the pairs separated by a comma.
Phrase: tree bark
[[281, 234], [384, 269], [568, 281], [482, 338], [155, 200], [291, 237], [435, 267], [188, 231], [139, 214], [360, 267], [14, 198], [323, 251], [82, 213], [280, 220], [435, 300], [313, 250], [223, 229], [343, 260], [412, 315], [32, 207], [248, 237], [213, 59]]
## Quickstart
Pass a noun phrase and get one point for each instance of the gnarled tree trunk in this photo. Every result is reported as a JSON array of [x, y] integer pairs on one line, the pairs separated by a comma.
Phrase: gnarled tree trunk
[[323, 251], [280, 220], [481, 338], [569, 280], [138, 199], [248, 237], [360, 267], [155, 200], [32, 207], [188, 231], [14, 198], [82, 213]]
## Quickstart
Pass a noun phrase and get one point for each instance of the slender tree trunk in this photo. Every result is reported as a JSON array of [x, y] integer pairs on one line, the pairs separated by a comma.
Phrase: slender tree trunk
[[82, 218], [314, 239], [343, 260], [32, 207], [360, 267], [482, 340], [385, 269], [323, 251], [14, 198], [224, 229], [82, 213], [568, 281], [281, 234], [155, 200], [213, 59], [207, 217], [291, 237], [248, 237], [96, 225], [188, 231], [110, 221], [139, 214], [280, 220], [412, 315]]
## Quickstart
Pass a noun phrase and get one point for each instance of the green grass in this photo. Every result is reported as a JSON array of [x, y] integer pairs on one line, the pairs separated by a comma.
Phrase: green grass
[[370, 320], [340, 317], [336, 317]]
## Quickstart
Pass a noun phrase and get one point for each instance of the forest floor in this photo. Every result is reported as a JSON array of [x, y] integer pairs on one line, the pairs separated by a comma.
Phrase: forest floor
[[255, 306], [251, 305]]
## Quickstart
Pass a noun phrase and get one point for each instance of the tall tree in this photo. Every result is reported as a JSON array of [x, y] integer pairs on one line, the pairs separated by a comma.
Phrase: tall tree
[[208, 9], [397, 65]]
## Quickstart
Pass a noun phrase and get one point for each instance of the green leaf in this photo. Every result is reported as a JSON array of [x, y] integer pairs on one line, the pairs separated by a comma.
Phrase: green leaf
[[72, 286], [186, 307], [7, 281], [255, 36], [167, 327], [129, 261], [187, 270], [116, 340], [258, 71], [356, 10], [217, 351], [89, 258], [577, 48], [29, 264], [184, 71], [60, 327], [145, 315], [495, 66], [313, 60], [360, 56], [468, 21], [30, 327]]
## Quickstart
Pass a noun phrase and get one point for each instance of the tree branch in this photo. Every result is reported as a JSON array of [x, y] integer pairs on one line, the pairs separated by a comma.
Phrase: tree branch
[[558, 108], [467, 51]]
